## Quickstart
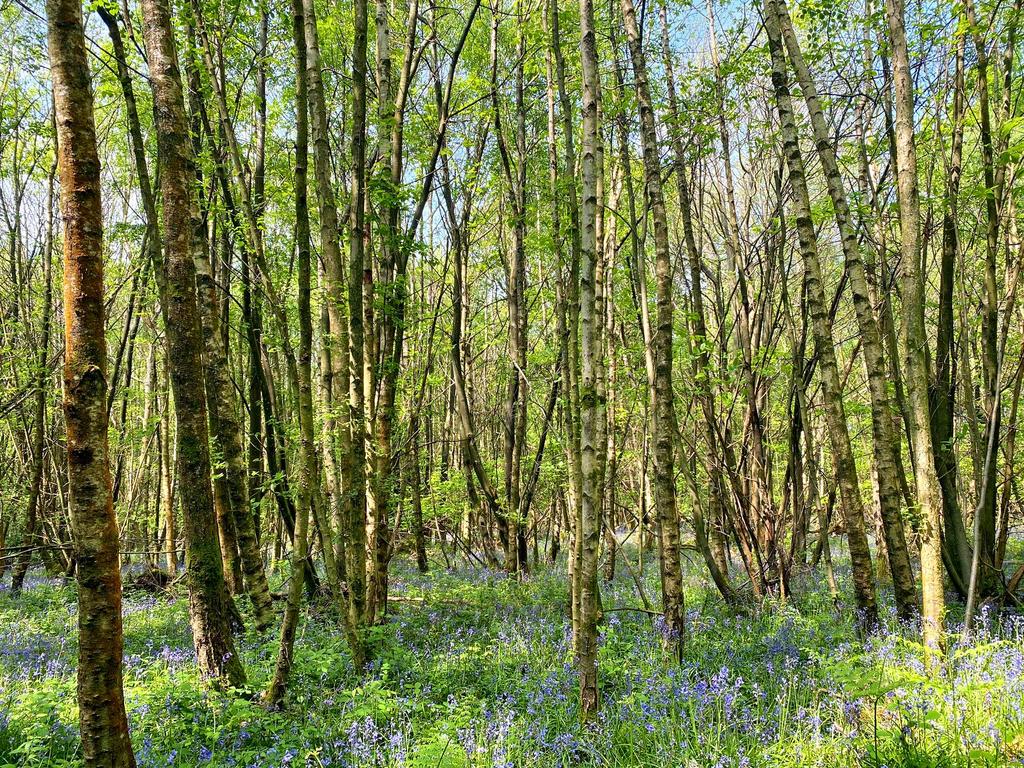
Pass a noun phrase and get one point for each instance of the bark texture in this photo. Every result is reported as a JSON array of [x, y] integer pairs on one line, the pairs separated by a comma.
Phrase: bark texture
[[210, 605], [914, 336], [662, 407], [591, 389], [102, 718]]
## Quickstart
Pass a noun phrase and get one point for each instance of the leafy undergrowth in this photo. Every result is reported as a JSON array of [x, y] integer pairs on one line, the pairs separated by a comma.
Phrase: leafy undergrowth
[[474, 669]]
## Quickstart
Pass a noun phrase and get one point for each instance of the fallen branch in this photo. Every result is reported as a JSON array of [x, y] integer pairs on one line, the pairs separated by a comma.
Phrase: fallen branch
[[635, 610]]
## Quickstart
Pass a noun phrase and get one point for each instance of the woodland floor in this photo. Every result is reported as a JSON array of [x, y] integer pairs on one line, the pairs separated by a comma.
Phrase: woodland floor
[[474, 669]]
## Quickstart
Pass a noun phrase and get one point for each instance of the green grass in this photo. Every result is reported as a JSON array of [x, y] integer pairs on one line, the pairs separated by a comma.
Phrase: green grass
[[473, 669]]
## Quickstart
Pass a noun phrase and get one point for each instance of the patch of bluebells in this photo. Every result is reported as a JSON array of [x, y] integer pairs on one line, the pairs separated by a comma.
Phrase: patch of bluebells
[[29, 656], [482, 670]]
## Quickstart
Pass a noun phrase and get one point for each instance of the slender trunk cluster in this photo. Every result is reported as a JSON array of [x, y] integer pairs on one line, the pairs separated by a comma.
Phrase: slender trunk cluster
[[835, 416], [884, 443]]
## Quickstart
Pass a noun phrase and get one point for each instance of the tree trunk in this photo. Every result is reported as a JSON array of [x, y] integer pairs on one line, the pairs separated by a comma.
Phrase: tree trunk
[[210, 607], [330, 244], [102, 718], [914, 337], [167, 477], [985, 542], [240, 552], [514, 171], [568, 283], [942, 389], [355, 565], [274, 695], [588, 532], [215, 364], [663, 403]]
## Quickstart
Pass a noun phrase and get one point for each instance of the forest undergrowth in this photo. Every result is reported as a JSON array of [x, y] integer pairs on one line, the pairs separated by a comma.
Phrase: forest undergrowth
[[475, 669]]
